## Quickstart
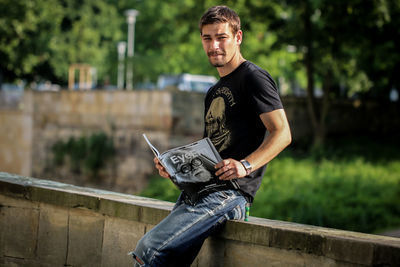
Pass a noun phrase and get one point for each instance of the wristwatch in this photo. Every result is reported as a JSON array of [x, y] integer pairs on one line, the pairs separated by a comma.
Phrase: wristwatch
[[247, 166]]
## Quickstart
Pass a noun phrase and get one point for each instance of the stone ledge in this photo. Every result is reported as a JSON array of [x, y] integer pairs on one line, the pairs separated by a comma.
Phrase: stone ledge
[[341, 246]]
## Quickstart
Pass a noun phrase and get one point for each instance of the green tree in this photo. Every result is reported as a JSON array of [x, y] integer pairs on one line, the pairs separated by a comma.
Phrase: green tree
[[167, 39], [378, 23], [87, 33], [26, 28], [335, 51], [302, 42], [39, 39]]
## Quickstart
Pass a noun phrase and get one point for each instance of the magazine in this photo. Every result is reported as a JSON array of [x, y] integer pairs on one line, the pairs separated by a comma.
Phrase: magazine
[[191, 168]]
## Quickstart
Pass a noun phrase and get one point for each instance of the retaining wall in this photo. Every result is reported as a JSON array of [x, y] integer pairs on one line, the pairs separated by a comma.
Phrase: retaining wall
[[47, 223], [32, 122]]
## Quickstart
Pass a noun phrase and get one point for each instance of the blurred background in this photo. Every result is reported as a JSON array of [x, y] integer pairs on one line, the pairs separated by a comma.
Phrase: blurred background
[[82, 80]]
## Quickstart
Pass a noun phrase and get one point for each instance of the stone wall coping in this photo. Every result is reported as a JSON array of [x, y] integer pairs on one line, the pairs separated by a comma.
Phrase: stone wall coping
[[339, 245]]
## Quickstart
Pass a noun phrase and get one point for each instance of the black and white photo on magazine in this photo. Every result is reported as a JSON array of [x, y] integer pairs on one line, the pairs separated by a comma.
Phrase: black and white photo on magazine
[[189, 166], [192, 167]]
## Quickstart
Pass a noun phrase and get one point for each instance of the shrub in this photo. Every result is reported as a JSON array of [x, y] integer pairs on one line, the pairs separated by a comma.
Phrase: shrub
[[161, 188], [352, 195], [85, 154]]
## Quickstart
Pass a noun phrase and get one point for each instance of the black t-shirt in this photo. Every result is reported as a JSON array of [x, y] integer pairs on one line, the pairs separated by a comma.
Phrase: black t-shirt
[[232, 109]]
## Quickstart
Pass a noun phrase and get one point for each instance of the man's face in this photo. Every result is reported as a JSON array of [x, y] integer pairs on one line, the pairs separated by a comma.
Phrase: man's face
[[220, 44]]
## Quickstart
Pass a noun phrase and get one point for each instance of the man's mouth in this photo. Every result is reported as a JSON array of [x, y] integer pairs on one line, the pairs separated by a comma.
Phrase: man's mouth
[[215, 54]]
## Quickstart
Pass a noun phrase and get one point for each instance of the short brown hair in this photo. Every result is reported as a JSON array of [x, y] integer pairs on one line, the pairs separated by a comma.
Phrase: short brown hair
[[220, 14]]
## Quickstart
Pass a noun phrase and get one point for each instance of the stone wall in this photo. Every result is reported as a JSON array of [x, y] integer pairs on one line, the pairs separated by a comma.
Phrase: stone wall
[[15, 142], [122, 115], [47, 223], [32, 122], [40, 119]]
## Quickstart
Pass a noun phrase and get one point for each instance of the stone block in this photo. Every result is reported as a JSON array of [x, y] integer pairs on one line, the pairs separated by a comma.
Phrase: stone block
[[85, 238], [19, 222], [12, 262], [64, 197], [120, 237], [252, 233], [18, 262], [211, 253], [297, 240], [385, 255], [349, 250], [119, 209], [246, 254], [153, 215], [18, 201], [12, 189], [53, 235]]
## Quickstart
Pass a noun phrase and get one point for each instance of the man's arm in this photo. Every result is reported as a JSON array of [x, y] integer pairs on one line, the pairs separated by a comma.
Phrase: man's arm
[[279, 137]]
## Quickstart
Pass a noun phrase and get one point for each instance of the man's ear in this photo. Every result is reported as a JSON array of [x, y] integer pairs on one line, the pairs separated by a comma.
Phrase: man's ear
[[239, 37]]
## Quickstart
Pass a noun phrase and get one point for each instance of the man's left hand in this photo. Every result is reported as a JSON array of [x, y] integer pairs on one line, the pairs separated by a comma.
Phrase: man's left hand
[[229, 169]]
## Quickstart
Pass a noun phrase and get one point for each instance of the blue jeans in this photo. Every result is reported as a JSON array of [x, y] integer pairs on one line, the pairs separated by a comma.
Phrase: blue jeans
[[177, 239]]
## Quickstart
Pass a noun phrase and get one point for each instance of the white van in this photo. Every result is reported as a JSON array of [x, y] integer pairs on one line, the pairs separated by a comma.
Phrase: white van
[[187, 82]]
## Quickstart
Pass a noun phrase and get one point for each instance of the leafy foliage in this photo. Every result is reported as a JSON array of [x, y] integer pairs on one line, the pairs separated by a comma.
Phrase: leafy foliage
[[84, 154], [87, 33], [354, 195], [161, 188], [26, 28], [39, 39]]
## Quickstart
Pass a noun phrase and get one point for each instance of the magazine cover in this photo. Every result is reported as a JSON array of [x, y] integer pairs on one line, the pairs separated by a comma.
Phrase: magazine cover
[[191, 167]]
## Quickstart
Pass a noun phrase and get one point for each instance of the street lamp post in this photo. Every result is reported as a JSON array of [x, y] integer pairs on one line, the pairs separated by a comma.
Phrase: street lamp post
[[121, 62], [131, 16]]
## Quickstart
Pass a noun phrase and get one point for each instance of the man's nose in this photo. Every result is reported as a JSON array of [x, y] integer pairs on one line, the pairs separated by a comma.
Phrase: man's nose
[[215, 44]]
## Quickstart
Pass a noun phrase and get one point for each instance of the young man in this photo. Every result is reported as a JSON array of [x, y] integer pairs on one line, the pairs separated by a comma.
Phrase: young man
[[239, 111]]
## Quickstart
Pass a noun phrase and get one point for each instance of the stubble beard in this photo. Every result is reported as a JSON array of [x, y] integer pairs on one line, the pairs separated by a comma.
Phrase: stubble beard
[[216, 64]]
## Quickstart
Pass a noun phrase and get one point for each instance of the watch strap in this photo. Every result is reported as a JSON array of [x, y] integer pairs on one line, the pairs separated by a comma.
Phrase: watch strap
[[247, 166]]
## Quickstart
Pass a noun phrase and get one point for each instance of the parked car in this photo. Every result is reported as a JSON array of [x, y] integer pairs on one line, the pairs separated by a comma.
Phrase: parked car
[[186, 82], [11, 94], [45, 86]]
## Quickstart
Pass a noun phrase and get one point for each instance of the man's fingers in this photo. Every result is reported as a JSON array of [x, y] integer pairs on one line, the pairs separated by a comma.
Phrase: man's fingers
[[229, 169], [160, 168], [222, 163], [164, 174], [223, 170], [228, 175]]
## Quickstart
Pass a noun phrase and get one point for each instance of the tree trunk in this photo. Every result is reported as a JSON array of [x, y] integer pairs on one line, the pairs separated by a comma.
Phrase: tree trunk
[[325, 105], [317, 112], [309, 64]]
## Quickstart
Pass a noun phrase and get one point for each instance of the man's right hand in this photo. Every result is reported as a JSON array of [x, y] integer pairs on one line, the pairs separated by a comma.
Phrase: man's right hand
[[161, 169]]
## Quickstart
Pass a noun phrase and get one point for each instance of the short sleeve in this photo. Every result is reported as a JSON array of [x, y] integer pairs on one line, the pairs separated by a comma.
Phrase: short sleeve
[[264, 96]]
